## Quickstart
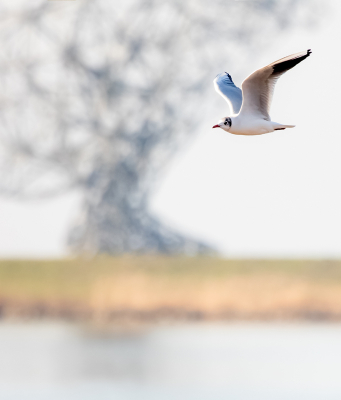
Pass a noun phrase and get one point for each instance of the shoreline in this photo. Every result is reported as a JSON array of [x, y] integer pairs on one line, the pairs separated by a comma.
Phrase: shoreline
[[12, 310]]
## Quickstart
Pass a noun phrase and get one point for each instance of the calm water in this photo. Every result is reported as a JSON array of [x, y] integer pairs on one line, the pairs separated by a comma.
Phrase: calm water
[[227, 361]]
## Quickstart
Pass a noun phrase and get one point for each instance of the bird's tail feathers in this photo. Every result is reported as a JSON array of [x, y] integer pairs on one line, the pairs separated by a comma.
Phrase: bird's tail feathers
[[279, 127]]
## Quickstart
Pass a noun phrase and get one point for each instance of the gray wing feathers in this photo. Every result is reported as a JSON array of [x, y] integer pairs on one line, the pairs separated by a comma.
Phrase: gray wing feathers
[[224, 85], [258, 88]]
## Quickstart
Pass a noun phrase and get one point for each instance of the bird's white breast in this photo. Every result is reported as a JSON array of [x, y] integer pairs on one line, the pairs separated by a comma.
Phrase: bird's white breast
[[250, 126]]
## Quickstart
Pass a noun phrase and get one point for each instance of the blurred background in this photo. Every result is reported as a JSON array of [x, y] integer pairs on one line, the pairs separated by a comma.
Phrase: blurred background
[[144, 255]]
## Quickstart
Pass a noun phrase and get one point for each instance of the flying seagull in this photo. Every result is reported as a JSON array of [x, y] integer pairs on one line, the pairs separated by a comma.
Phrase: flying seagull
[[249, 107]]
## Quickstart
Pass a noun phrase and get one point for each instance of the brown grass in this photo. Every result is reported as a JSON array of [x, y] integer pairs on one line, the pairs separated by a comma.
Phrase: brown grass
[[171, 287]]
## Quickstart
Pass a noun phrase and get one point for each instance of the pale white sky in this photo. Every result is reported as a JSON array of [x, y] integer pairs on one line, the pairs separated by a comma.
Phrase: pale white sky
[[276, 195]]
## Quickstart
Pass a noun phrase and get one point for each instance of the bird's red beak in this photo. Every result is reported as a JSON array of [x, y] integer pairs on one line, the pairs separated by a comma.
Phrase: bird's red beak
[[215, 126]]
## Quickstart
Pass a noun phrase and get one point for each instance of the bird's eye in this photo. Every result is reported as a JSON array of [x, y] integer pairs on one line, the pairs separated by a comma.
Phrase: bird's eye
[[228, 121]]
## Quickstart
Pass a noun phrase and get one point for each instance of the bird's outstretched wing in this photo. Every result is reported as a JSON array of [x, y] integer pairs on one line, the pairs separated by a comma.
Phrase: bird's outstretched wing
[[258, 88], [224, 85]]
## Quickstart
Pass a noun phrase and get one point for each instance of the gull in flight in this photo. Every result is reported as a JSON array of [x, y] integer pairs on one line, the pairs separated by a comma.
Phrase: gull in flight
[[249, 107]]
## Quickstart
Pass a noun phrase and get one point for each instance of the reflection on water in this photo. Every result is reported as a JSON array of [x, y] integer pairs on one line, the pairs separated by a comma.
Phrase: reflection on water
[[223, 361]]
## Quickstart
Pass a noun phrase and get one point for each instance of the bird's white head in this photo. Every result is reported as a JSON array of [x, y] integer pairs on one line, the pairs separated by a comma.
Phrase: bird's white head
[[224, 123]]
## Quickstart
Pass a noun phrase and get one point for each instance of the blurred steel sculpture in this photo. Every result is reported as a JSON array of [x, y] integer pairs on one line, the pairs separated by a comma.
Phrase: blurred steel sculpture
[[97, 95]]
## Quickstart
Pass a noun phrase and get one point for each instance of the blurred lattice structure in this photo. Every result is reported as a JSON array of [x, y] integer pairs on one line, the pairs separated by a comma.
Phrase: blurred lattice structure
[[97, 95]]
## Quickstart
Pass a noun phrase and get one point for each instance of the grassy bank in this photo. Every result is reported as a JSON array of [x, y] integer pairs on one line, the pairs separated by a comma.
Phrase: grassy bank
[[152, 288]]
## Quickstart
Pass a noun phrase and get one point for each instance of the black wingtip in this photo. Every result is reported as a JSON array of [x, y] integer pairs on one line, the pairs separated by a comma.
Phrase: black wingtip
[[229, 76], [282, 66]]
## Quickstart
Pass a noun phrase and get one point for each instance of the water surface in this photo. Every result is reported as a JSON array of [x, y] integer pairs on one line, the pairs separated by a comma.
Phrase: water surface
[[236, 361]]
